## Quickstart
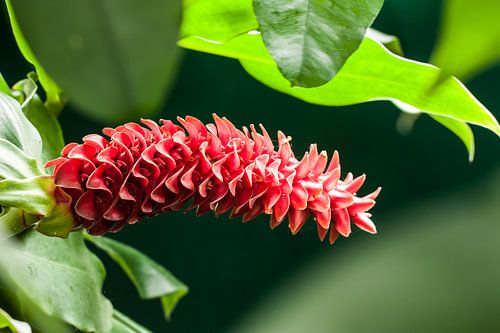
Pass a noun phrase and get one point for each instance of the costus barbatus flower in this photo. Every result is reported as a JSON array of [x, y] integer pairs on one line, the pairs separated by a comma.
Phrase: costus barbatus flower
[[139, 171]]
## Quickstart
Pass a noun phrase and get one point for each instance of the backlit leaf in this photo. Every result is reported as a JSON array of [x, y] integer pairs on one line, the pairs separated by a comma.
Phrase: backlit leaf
[[371, 73], [232, 17]]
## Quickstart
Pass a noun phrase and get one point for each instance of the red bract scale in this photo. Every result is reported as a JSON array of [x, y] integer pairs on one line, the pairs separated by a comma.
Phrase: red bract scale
[[140, 172]]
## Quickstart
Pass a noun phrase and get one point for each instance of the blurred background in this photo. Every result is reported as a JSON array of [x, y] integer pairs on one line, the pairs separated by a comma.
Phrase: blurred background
[[433, 267]]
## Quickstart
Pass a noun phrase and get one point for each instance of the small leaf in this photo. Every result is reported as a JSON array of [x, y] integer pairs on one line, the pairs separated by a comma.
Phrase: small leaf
[[4, 87], [151, 279], [115, 60], [14, 164], [6, 321], [45, 122], [468, 40], [59, 223], [15, 128], [62, 277], [123, 324], [218, 20], [310, 40], [54, 100], [33, 195]]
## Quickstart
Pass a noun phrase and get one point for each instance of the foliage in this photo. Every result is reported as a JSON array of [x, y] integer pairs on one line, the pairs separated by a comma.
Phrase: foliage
[[49, 272], [371, 73], [114, 59]]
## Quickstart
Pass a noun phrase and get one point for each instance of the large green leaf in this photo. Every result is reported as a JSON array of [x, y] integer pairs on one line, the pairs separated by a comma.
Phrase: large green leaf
[[54, 100], [151, 279], [113, 58], [45, 122], [310, 40], [15, 128], [62, 277], [218, 20], [469, 36], [371, 73], [123, 324]]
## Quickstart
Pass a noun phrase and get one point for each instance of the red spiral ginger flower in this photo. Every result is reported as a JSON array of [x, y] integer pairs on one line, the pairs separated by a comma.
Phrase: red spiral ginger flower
[[142, 172]]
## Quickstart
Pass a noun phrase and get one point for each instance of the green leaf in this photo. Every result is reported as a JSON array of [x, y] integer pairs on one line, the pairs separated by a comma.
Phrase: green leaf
[[45, 122], [218, 20], [468, 40], [310, 40], [59, 223], [54, 100], [123, 324], [4, 86], [62, 277], [14, 164], [371, 73], [33, 195], [114, 59], [15, 128], [151, 279]]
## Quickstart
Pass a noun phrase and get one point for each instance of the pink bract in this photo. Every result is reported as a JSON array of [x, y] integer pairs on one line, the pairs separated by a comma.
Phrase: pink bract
[[140, 172]]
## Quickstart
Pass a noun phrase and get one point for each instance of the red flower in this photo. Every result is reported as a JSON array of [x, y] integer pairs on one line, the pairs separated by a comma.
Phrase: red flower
[[143, 172]]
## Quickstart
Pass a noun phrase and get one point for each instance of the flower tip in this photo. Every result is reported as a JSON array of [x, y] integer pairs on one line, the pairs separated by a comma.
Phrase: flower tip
[[374, 194]]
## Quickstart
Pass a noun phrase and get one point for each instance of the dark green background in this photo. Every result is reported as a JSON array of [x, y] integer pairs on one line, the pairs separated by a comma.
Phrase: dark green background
[[229, 266]]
